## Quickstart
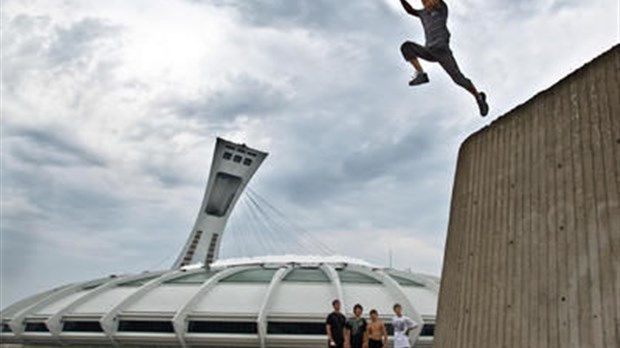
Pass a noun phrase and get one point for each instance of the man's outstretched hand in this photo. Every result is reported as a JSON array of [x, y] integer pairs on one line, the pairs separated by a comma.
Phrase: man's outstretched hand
[[408, 8]]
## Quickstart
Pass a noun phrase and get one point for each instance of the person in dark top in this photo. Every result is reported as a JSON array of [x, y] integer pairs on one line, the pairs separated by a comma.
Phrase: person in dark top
[[355, 334], [434, 17], [334, 326]]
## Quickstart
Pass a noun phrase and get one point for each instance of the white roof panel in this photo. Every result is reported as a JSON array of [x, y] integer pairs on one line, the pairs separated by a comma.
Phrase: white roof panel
[[60, 304], [424, 300], [165, 298], [370, 296], [233, 298], [303, 298], [103, 302]]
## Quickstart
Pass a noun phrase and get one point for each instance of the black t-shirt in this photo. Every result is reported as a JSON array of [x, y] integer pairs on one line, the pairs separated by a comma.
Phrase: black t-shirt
[[357, 326], [435, 25], [336, 321]]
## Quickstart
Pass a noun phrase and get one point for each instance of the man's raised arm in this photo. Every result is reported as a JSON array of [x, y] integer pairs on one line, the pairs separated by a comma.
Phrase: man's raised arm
[[408, 8]]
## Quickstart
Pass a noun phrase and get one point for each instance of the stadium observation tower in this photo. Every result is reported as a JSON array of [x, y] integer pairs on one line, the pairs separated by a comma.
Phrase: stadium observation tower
[[203, 301]]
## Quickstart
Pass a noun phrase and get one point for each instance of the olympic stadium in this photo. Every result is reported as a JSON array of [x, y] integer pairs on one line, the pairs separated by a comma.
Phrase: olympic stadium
[[206, 301]]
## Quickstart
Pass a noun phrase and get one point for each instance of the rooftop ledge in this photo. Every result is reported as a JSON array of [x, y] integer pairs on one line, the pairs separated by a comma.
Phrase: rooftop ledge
[[282, 260]]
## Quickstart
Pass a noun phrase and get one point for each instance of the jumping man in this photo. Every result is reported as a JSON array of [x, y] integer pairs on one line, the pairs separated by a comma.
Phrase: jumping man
[[434, 17]]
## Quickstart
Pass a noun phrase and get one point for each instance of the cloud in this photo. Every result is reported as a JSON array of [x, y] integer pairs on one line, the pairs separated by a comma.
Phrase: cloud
[[321, 15], [239, 96], [43, 147], [79, 40], [110, 111]]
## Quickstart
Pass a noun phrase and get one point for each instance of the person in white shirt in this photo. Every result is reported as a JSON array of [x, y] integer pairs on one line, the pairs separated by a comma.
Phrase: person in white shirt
[[402, 325]]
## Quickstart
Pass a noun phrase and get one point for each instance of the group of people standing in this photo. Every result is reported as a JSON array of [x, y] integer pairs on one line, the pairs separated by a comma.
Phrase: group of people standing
[[356, 332]]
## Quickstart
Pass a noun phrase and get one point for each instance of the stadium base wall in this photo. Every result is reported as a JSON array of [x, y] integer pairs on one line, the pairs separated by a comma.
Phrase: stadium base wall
[[532, 255]]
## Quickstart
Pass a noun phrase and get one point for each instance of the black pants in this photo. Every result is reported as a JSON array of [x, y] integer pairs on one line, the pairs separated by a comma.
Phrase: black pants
[[375, 344], [441, 55]]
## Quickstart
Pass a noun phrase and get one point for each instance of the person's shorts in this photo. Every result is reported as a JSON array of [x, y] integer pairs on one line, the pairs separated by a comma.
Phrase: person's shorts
[[375, 344], [440, 54], [412, 50]]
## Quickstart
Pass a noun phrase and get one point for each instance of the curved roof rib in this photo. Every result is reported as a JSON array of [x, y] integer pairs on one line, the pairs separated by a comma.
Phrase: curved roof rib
[[108, 321], [54, 323], [179, 321], [17, 321], [264, 308]]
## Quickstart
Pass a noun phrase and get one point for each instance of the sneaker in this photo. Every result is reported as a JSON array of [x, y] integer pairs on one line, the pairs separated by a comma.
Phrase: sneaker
[[419, 79], [482, 104]]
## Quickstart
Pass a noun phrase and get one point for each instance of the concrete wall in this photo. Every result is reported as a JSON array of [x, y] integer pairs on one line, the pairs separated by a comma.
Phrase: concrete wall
[[533, 250]]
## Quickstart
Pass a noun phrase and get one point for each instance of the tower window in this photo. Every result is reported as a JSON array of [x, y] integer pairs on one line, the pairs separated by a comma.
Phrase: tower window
[[227, 155], [224, 190], [247, 161], [237, 159], [211, 251]]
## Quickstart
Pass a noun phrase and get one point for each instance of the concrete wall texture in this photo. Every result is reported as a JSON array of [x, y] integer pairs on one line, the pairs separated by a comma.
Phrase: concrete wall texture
[[533, 251]]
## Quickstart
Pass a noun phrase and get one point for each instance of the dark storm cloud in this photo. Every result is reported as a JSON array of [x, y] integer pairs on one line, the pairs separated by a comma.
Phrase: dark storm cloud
[[47, 147], [169, 176], [57, 198], [243, 96], [38, 166], [335, 168], [409, 152], [324, 15], [68, 213]]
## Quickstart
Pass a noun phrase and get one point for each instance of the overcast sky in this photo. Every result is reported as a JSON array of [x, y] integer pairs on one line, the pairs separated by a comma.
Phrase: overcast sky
[[110, 110]]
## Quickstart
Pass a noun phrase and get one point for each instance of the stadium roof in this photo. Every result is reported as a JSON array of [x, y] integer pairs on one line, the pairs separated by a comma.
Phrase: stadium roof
[[277, 301]]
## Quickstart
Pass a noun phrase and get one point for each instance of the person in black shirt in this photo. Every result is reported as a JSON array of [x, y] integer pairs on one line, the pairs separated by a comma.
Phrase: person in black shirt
[[355, 334], [434, 17], [334, 325]]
